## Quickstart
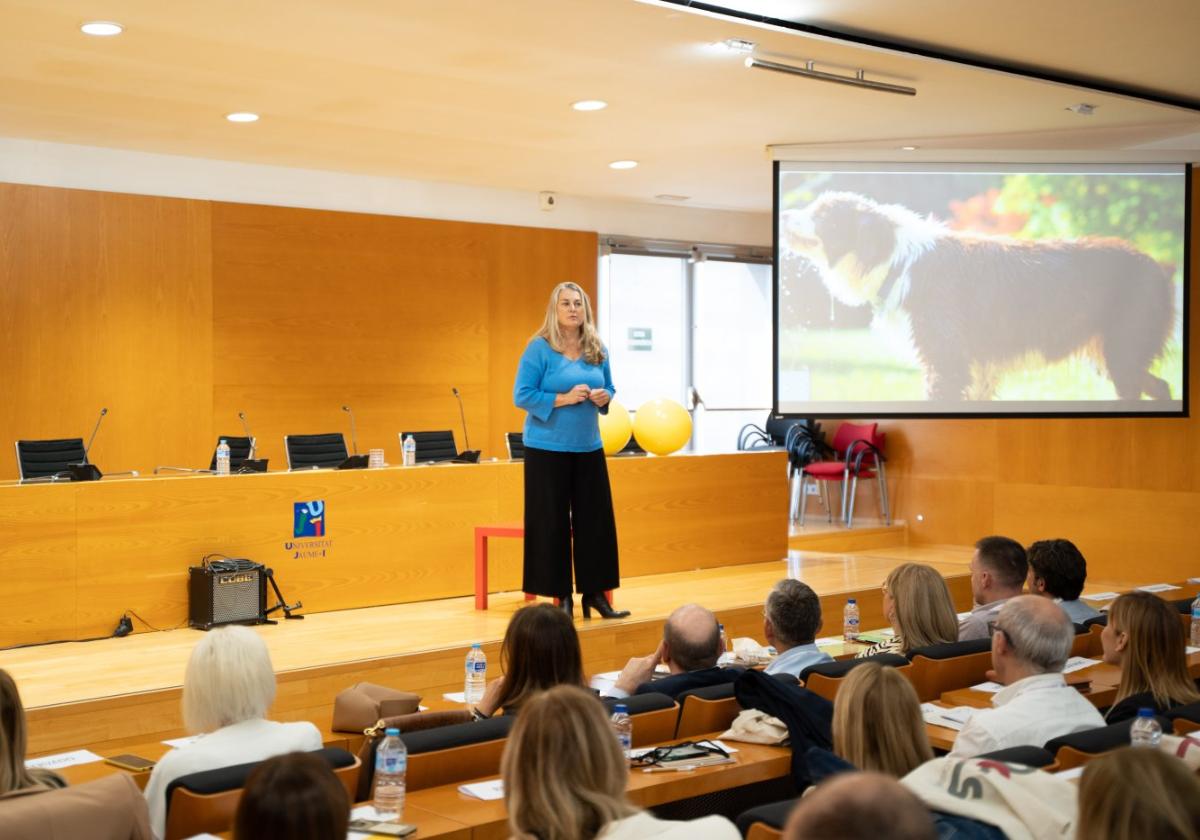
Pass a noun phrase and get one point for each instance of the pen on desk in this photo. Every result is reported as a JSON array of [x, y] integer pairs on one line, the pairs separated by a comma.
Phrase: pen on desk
[[686, 768]]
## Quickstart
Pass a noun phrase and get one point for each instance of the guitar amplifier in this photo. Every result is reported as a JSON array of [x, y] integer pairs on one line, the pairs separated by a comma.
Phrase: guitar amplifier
[[226, 592]]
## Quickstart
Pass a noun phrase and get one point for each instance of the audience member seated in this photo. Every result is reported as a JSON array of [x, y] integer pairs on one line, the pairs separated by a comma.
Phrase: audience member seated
[[227, 688], [998, 571], [540, 650], [1030, 645], [690, 648], [13, 773], [877, 723], [791, 620], [917, 603], [565, 777], [292, 797], [109, 808], [1145, 638], [1057, 570], [861, 806], [1137, 794]]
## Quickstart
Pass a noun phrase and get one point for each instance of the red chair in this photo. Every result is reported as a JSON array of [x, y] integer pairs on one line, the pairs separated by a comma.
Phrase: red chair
[[859, 449]]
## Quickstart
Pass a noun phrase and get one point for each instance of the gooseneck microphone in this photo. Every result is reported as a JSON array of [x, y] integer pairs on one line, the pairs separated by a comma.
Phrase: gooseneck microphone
[[87, 449], [463, 415], [245, 425], [353, 433]]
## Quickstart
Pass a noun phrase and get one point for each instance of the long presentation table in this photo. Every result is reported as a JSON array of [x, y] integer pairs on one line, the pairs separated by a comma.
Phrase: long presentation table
[[74, 557]]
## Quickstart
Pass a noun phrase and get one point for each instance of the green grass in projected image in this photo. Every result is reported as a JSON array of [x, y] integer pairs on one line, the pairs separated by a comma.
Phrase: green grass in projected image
[[863, 365]]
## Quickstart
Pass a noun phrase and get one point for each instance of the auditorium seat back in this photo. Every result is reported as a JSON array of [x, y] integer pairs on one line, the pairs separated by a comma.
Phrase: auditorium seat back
[[454, 753], [826, 678], [44, 458], [241, 449], [654, 717], [1081, 747], [708, 709], [305, 452], [940, 668], [432, 446]]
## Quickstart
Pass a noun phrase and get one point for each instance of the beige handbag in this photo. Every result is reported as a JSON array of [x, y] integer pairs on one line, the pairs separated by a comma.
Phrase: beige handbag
[[361, 705], [756, 727]]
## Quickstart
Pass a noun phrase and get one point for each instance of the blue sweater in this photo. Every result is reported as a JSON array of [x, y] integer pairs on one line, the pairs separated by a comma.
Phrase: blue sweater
[[543, 374]]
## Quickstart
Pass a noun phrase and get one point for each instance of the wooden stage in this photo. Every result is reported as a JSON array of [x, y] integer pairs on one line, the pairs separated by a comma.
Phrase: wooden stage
[[113, 692]]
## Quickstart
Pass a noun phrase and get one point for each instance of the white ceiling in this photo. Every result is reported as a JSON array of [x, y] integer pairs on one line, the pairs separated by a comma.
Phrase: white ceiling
[[478, 91]]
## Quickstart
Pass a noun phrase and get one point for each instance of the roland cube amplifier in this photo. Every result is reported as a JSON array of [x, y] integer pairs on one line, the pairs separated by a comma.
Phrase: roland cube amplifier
[[226, 592]]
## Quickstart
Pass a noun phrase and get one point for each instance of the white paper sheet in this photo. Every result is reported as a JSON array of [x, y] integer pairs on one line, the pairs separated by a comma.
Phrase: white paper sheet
[[1190, 650], [826, 641], [1078, 663], [955, 717], [1073, 773], [67, 759], [962, 616], [1158, 587], [989, 687], [484, 790], [456, 696], [1099, 596], [176, 743]]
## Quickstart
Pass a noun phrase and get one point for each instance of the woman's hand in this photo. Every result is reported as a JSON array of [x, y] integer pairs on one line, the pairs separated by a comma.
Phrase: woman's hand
[[573, 397], [490, 702], [600, 397]]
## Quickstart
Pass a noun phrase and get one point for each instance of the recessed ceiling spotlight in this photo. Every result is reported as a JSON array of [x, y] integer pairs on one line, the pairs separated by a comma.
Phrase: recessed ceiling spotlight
[[242, 117], [908, 148], [589, 105], [622, 164], [101, 28], [1083, 109], [736, 45]]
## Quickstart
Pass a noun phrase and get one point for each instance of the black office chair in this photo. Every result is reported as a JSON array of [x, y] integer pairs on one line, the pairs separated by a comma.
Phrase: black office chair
[[516, 445], [46, 459], [241, 450], [432, 446], [307, 452]]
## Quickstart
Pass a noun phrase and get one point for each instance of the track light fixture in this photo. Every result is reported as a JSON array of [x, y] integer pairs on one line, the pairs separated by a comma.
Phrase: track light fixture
[[858, 80]]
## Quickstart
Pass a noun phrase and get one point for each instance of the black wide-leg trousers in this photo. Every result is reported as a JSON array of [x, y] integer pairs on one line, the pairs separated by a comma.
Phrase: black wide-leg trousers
[[567, 491]]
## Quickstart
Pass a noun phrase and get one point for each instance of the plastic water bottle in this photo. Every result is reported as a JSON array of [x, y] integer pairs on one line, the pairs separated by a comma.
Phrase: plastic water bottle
[[391, 766], [223, 458], [1145, 731], [475, 683], [850, 621], [726, 645], [1195, 634], [410, 451], [622, 724]]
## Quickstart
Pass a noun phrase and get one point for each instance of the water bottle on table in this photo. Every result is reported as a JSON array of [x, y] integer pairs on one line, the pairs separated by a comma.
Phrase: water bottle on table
[[475, 683], [391, 767], [410, 451], [223, 458], [850, 621], [622, 724], [1145, 731]]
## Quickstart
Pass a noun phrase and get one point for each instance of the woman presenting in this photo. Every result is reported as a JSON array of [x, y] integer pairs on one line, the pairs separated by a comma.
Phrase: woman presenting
[[564, 383]]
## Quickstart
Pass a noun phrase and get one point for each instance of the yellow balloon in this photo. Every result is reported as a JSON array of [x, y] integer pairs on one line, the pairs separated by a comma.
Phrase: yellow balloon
[[662, 426], [615, 428]]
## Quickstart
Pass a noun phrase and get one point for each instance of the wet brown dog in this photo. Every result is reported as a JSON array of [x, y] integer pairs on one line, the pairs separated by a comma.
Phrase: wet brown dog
[[978, 305]]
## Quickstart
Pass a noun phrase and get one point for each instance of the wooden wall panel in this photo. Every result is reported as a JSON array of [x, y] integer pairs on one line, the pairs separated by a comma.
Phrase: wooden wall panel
[[105, 300]]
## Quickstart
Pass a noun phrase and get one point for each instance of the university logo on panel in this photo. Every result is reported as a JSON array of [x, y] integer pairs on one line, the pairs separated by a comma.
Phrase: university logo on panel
[[308, 519]]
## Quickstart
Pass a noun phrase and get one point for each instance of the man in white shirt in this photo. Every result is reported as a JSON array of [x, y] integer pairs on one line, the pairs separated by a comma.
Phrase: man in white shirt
[[998, 570], [1030, 645], [791, 619]]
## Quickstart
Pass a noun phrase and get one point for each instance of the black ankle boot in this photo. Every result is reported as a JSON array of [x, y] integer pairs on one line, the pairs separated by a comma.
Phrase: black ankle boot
[[596, 601]]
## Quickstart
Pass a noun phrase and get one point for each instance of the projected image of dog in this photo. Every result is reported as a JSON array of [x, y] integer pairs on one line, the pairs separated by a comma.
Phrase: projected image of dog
[[980, 305]]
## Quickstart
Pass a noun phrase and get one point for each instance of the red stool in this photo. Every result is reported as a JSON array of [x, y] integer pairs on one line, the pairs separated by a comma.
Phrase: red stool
[[482, 532]]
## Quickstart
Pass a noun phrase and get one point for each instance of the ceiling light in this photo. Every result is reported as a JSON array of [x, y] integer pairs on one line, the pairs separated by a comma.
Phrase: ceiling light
[[807, 71], [1083, 109], [908, 148], [242, 117], [622, 164], [102, 28], [589, 105]]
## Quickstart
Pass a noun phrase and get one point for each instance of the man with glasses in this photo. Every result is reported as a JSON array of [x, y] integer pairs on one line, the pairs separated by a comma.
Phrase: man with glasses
[[998, 570], [1031, 641]]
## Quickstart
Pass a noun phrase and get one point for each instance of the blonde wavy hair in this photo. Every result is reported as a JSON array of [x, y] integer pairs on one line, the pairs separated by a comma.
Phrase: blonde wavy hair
[[1132, 794], [877, 723], [924, 609], [589, 340], [1155, 659], [564, 773]]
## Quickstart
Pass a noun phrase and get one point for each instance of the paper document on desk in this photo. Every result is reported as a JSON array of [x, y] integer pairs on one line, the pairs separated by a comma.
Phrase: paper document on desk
[[60, 760], [456, 696], [963, 616], [176, 743], [604, 682], [989, 687], [1099, 596], [484, 790], [1078, 663], [1190, 650], [951, 718], [1158, 587], [827, 641]]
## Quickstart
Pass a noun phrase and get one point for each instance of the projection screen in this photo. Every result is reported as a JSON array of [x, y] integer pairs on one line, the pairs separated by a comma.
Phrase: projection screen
[[980, 289]]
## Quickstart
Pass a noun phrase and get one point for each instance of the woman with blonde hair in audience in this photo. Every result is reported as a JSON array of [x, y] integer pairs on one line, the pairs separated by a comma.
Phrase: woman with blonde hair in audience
[[565, 777], [227, 688], [13, 773], [877, 723], [917, 603], [1135, 794], [540, 650], [1144, 636]]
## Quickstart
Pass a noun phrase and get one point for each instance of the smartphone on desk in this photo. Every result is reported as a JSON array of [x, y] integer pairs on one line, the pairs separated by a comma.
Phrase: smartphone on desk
[[386, 829], [130, 762]]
